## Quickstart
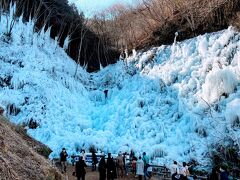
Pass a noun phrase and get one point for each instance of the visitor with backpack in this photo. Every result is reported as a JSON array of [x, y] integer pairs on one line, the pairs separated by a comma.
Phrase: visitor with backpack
[[140, 168], [63, 160]]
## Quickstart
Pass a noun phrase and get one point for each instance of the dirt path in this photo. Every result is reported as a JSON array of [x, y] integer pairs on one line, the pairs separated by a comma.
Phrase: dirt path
[[95, 176]]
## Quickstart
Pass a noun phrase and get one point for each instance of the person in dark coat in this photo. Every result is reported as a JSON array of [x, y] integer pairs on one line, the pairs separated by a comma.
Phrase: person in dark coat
[[63, 160], [80, 169], [106, 93], [102, 169], [214, 174], [111, 168], [223, 173], [94, 160]]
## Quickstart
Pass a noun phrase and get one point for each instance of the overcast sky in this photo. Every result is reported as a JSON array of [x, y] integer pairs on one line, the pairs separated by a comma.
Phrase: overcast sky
[[90, 7]]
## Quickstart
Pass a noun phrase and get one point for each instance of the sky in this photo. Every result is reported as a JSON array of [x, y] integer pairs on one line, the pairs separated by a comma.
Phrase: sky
[[90, 7]]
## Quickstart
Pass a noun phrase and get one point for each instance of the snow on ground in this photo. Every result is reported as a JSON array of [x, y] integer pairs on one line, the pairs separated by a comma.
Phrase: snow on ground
[[174, 102]]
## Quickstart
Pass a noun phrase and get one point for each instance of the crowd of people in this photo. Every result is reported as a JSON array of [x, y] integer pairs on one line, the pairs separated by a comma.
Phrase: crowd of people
[[110, 168], [181, 172]]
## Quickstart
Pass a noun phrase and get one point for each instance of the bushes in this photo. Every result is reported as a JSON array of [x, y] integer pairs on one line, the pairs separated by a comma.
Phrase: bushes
[[44, 151], [227, 156], [154, 22]]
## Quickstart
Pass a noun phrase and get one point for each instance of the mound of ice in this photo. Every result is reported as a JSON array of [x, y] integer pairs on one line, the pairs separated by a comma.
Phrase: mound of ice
[[218, 83], [232, 114]]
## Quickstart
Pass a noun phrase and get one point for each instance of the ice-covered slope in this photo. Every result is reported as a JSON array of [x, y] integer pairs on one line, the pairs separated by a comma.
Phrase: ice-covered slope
[[178, 101], [37, 77], [174, 102]]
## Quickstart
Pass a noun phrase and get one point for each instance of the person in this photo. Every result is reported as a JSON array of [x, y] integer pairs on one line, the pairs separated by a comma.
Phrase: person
[[80, 169], [184, 171], [131, 155], [1, 111], [146, 164], [111, 168], [223, 173], [174, 170], [140, 168], [134, 164], [83, 155], [106, 93], [120, 163], [124, 163], [214, 174], [102, 168], [32, 124], [63, 160], [94, 160]]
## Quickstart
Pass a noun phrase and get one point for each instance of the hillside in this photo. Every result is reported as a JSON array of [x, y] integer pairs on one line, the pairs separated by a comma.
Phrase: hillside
[[19, 160], [175, 102], [155, 22], [68, 27]]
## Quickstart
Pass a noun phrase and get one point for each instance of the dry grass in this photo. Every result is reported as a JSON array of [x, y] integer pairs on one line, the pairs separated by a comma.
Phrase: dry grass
[[18, 159], [155, 22]]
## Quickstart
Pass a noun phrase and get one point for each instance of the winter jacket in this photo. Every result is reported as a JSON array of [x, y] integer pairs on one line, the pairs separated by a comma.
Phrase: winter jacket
[[140, 167], [111, 169], [120, 161], [145, 160], [63, 156], [102, 169], [94, 158], [80, 168], [224, 175]]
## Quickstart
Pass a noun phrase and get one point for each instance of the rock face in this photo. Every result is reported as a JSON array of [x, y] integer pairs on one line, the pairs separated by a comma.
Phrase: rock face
[[19, 159]]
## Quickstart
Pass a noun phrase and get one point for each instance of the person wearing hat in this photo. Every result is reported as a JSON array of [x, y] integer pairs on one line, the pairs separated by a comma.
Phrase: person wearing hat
[[63, 160]]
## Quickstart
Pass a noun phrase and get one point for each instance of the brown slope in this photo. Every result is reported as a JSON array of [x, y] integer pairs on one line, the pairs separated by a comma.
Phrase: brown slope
[[18, 159]]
